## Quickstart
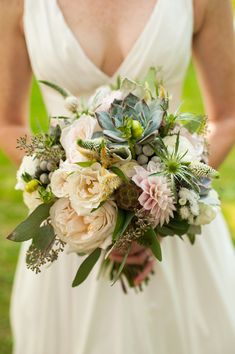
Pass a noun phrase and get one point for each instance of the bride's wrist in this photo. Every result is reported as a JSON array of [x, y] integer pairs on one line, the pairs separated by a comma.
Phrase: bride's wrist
[[221, 138]]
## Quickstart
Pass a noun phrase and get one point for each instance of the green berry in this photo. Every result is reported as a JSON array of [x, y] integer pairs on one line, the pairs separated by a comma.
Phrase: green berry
[[138, 149], [43, 165], [51, 166], [142, 159], [136, 129], [148, 150], [31, 186], [44, 178]]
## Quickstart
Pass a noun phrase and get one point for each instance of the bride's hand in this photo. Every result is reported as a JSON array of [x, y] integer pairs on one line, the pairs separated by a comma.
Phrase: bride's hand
[[138, 255]]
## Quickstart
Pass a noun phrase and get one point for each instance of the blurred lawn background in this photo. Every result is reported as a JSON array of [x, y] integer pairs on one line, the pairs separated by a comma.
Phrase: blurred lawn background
[[12, 210]]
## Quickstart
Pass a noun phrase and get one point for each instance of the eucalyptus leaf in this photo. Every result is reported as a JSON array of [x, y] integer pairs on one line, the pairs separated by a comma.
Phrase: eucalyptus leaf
[[44, 238], [122, 265], [55, 87], [28, 229], [119, 173], [119, 222], [154, 243], [86, 267], [192, 238], [85, 163], [128, 217]]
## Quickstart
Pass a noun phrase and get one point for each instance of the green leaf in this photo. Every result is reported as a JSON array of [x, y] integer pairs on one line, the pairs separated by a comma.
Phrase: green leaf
[[194, 123], [44, 238], [119, 173], [86, 267], [164, 231], [192, 238], [55, 87], [155, 245], [100, 205], [29, 228], [119, 223], [120, 231], [85, 163], [121, 266]]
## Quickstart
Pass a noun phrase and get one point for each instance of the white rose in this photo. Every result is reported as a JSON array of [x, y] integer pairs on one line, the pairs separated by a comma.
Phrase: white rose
[[84, 233], [207, 214], [59, 179], [82, 128], [128, 168], [103, 98], [185, 146], [86, 189], [28, 165], [32, 200]]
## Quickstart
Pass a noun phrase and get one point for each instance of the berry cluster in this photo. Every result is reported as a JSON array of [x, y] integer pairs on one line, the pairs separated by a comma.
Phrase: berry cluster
[[44, 171], [144, 154]]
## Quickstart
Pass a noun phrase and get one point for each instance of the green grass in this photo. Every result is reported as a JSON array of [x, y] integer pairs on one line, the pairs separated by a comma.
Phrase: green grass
[[12, 209]]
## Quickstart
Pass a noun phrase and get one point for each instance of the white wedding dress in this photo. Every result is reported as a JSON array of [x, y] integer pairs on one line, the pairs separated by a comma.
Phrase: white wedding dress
[[189, 305]]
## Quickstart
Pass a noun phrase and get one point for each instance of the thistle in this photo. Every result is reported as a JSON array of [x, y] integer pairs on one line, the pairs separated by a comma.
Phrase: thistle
[[174, 167], [200, 170]]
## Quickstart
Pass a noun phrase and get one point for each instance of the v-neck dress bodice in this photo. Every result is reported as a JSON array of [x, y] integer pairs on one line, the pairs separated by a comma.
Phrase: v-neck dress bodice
[[188, 306], [56, 54]]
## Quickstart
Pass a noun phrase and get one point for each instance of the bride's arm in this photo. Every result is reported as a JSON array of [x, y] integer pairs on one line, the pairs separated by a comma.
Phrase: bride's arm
[[214, 53], [15, 78]]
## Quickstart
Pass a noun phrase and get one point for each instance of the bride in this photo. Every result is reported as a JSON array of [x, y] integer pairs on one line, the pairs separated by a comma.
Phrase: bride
[[188, 307]]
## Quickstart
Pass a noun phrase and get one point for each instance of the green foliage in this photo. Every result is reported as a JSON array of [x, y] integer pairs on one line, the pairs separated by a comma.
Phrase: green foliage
[[123, 220], [86, 267], [29, 228], [151, 235], [64, 93], [119, 173], [117, 275]]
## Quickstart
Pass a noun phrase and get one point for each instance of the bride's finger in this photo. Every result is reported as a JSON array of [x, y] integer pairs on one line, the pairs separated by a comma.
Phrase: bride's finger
[[141, 277], [136, 259]]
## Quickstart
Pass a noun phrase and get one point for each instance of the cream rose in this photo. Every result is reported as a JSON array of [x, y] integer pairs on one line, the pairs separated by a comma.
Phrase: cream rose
[[84, 233], [82, 128], [88, 187], [59, 179]]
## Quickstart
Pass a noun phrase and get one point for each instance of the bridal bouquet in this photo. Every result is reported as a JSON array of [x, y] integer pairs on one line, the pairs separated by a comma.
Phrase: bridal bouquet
[[118, 171]]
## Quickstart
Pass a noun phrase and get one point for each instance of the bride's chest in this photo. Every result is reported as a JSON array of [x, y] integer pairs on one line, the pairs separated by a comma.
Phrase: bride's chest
[[106, 29]]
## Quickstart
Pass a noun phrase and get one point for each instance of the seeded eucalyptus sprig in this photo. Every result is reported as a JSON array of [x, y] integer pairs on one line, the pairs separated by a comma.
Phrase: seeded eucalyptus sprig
[[43, 146]]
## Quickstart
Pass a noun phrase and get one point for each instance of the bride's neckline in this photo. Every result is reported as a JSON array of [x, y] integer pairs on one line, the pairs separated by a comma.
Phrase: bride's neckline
[[129, 55]]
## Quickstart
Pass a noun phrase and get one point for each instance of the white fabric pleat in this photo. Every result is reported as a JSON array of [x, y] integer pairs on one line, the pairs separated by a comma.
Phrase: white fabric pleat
[[188, 307]]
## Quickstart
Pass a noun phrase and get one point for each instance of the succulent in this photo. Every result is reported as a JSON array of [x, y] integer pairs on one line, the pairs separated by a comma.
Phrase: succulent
[[131, 120], [127, 196]]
